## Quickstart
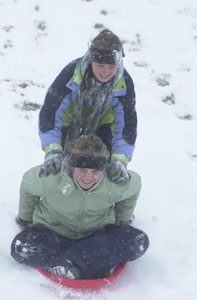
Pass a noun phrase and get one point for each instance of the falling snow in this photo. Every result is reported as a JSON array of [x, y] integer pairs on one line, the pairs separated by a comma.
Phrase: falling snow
[[38, 38]]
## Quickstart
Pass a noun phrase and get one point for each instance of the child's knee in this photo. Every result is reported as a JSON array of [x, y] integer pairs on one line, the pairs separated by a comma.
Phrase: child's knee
[[20, 249], [16, 250]]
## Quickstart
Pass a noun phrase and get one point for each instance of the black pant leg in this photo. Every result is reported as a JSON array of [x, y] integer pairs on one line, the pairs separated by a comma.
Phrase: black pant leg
[[37, 245], [107, 247]]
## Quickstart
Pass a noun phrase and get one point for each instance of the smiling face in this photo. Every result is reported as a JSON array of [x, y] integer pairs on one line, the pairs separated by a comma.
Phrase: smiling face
[[103, 72], [87, 177]]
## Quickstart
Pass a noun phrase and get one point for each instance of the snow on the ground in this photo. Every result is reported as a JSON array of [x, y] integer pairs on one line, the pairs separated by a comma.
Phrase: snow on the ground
[[37, 39]]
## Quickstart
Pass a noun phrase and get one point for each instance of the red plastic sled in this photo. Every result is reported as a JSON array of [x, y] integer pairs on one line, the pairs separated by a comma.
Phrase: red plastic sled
[[84, 283]]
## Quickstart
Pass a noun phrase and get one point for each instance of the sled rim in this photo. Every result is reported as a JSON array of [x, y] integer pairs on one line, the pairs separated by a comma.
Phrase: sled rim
[[84, 283]]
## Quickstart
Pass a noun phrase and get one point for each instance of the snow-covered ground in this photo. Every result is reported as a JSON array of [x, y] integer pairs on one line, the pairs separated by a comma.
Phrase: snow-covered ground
[[39, 37]]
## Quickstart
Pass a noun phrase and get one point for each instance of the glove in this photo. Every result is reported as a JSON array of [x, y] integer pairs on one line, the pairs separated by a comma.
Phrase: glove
[[23, 224], [117, 172], [52, 163]]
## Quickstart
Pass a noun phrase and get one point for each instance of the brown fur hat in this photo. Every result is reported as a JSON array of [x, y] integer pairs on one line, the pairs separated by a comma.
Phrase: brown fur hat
[[88, 151]]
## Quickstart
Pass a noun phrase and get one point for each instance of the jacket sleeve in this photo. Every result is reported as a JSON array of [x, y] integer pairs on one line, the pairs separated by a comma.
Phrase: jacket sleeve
[[31, 191], [125, 129], [50, 117], [124, 209]]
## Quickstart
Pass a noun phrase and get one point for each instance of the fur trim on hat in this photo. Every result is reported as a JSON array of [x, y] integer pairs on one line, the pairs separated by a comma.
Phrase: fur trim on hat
[[88, 151]]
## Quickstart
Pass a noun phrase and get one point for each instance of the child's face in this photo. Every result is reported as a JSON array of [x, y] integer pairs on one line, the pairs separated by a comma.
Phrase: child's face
[[103, 72], [87, 177]]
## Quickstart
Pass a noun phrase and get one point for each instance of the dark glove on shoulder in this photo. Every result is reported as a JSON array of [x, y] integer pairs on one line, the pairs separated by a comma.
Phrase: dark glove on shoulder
[[117, 172], [52, 163], [23, 224]]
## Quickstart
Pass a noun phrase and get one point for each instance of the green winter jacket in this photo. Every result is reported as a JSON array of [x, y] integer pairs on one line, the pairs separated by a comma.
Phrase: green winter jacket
[[59, 203]]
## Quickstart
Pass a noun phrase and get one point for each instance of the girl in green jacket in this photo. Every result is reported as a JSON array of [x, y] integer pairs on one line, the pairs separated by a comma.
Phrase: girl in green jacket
[[76, 224]]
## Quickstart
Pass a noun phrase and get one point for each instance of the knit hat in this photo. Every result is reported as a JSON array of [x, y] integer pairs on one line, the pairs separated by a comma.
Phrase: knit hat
[[88, 151], [106, 48]]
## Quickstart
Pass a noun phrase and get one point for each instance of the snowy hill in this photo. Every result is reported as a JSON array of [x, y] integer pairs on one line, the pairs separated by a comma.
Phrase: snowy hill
[[37, 39]]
